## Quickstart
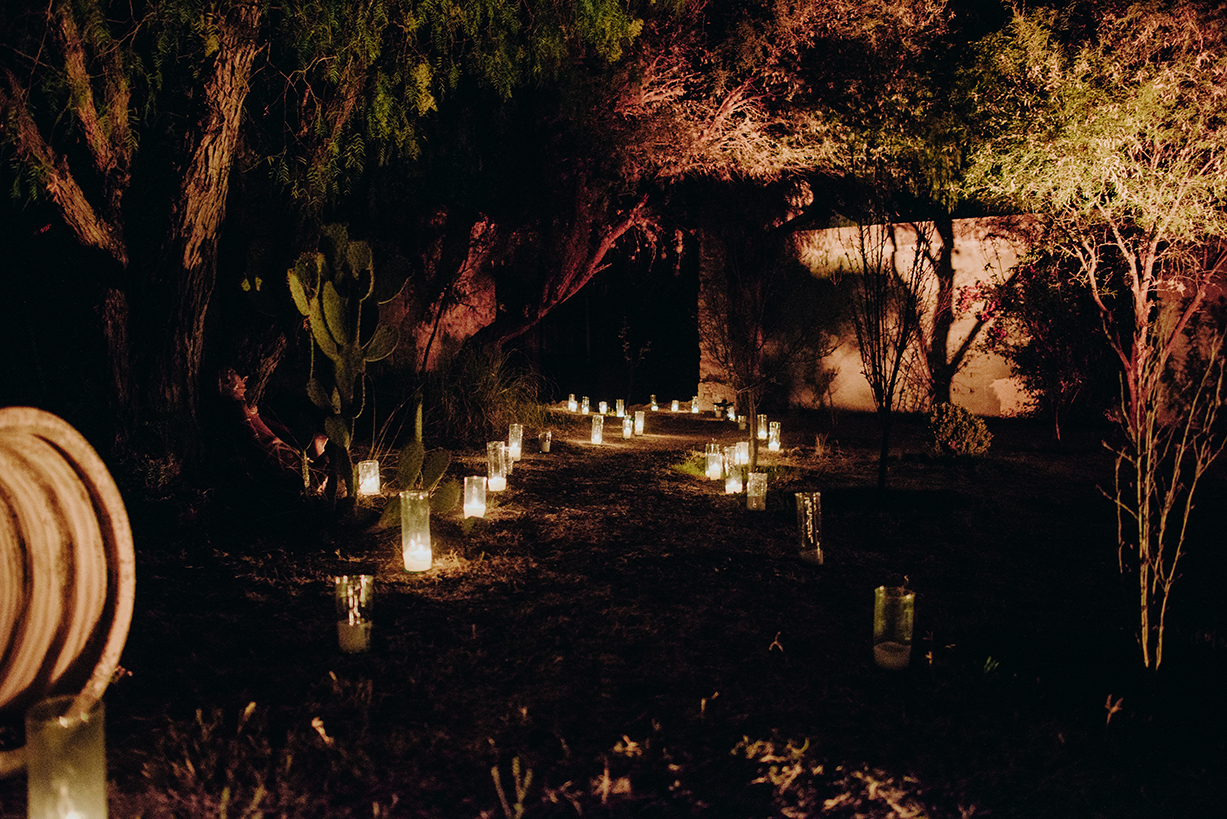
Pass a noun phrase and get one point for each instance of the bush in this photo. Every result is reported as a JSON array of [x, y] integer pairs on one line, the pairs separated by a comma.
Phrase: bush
[[478, 395], [955, 431]]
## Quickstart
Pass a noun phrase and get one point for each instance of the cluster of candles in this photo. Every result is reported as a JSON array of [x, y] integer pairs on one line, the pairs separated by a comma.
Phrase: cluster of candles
[[584, 404]]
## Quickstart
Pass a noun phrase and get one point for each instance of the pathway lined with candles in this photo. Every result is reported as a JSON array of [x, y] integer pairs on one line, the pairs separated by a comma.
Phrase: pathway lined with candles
[[608, 599]]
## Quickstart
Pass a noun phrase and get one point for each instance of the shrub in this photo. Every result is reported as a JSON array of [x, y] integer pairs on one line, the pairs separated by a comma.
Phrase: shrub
[[955, 431], [479, 394]]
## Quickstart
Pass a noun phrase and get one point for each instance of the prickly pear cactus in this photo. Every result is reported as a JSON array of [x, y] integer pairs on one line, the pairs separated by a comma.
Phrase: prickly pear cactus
[[334, 289]]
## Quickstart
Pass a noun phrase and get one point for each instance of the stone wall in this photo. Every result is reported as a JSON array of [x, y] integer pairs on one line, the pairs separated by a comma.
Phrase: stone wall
[[983, 249]]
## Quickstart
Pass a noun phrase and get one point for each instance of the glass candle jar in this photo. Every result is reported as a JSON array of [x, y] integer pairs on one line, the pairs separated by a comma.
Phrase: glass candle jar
[[496, 466], [515, 441], [66, 771], [809, 526], [893, 613], [598, 428], [415, 529], [756, 492], [474, 496], [368, 477], [354, 594]]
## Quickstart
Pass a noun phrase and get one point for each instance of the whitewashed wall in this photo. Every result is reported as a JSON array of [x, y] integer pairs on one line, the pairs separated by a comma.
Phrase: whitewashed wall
[[983, 249]]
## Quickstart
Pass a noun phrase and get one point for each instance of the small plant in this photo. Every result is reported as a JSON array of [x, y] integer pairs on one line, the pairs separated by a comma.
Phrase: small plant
[[329, 290], [418, 469], [955, 431], [694, 465]]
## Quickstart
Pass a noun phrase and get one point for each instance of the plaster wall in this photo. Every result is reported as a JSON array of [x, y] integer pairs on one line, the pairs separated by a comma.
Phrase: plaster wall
[[983, 249]]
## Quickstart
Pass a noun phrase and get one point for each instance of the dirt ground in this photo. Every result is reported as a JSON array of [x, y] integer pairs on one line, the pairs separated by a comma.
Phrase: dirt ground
[[645, 646]]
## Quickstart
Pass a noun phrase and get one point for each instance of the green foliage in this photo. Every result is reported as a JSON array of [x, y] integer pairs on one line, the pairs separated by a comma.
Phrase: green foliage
[[418, 469], [330, 288], [479, 394], [1128, 126], [955, 431]]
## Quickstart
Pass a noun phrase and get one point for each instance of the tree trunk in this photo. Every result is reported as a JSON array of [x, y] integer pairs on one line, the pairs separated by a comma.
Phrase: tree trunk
[[198, 214], [941, 368]]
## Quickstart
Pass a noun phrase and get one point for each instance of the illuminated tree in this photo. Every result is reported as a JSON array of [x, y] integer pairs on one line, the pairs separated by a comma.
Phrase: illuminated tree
[[1122, 143], [317, 91], [717, 91]]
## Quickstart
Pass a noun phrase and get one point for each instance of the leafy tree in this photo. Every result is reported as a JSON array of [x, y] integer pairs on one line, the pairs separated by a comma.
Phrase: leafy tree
[[713, 90], [911, 122], [131, 120], [1118, 134], [75, 111]]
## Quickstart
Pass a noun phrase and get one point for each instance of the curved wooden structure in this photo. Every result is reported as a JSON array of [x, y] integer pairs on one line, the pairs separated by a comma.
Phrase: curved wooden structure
[[67, 568]]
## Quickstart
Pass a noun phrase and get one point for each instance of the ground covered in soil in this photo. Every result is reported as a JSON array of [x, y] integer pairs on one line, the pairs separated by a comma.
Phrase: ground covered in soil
[[618, 637]]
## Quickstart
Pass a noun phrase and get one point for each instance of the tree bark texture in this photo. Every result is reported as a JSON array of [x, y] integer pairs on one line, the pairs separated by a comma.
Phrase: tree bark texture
[[201, 208]]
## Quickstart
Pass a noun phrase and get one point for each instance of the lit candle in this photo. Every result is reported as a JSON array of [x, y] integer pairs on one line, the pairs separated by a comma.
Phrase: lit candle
[[598, 428], [496, 466], [66, 760], [732, 482], [628, 426], [572, 405], [675, 406], [415, 529], [368, 477], [654, 404], [715, 462], [639, 417], [583, 407], [474, 496], [544, 439], [762, 427], [515, 441], [742, 455], [694, 404], [604, 407], [773, 436]]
